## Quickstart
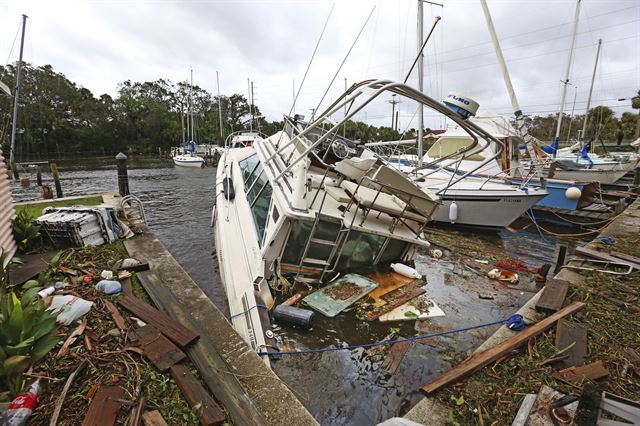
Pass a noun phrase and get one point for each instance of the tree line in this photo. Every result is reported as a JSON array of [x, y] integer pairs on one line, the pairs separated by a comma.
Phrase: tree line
[[57, 117]]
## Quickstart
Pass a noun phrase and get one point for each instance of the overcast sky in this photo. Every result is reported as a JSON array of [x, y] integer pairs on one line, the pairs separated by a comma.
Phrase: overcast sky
[[98, 44]]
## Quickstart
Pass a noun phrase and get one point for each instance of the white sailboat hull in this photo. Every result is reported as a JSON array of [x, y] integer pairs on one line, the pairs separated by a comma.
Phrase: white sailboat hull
[[188, 161], [590, 175]]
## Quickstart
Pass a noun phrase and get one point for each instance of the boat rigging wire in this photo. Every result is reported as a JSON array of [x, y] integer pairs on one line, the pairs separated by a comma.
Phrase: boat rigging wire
[[343, 61]]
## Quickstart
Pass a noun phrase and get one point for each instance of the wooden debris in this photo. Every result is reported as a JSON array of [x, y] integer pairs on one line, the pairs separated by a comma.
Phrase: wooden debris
[[136, 412], [488, 356], [292, 300], [525, 409], [115, 314], [104, 406], [127, 288], [576, 375], [395, 356], [87, 343], [68, 271], [153, 418], [626, 257], [396, 298], [387, 282], [32, 265], [552, 296], [139, 267], [157, 348], [179, 334], [583, 251], [568, 333], [539, 414], [58, 406], [72, 338], [209, 412]]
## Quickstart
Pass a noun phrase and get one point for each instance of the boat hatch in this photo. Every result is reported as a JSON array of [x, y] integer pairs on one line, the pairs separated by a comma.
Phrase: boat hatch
[[360, 250]]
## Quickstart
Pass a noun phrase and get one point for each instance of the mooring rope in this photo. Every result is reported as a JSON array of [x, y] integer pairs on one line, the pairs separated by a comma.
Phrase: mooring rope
[[514, 322], [244, 312]]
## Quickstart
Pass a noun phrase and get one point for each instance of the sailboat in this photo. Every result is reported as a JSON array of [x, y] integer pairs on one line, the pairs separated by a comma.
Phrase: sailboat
[[186, 156]]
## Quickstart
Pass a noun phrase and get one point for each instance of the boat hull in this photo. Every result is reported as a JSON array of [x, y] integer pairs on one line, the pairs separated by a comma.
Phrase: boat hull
[[602, 176], [488, 211], [190, 162]]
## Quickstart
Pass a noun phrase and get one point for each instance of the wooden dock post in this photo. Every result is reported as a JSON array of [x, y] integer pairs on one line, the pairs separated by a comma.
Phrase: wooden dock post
[[56, 179], [636, 177], [14, 170], [123, 177], [39, 176]]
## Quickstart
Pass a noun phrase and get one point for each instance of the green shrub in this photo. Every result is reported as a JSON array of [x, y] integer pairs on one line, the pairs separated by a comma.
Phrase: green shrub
[[26, 232], [26, 332]]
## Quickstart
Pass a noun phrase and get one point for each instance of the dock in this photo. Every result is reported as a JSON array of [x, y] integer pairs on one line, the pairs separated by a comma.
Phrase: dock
[[248, 389]]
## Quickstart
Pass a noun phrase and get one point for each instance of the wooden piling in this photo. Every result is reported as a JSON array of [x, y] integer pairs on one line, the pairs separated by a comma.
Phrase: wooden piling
[[14, 170], [123, 178], [636, 175], [39, 176], [56, 179]]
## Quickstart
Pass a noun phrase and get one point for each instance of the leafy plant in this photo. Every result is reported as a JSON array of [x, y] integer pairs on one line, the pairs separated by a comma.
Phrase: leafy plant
[[26, 232], [26, 332]]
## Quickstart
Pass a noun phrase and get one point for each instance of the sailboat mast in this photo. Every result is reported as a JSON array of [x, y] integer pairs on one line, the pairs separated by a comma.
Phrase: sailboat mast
[[16, 98], [420, 82], [191, 100], [522, 129], [568, 70], [250, 104], [219, 107], [593, 79]]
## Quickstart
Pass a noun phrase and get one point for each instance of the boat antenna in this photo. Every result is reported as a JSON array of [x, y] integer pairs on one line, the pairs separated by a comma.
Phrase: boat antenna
[[415, 61], [219, 106], [565, 82], [313, 55], [593, 78], [345, 59], [14, 122], [529, 140]]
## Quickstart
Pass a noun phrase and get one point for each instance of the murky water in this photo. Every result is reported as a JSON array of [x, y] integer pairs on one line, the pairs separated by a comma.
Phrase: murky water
[[338, 388]]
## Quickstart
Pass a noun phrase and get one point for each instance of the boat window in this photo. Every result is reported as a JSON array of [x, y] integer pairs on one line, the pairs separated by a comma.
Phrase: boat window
[[257, 186], [260, 209], [447, 146], [394, 251], [248, 167]]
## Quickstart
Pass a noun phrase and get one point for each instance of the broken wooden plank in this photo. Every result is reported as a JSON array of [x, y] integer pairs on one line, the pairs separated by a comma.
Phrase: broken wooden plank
[[540, 412], [395, 356], [387, 282], [115, 314], [72, 338], [570, 333], [179, 334], [576, 375], [396, 298], [135, 417], [153, 418], [626, 257], [553, 295], [139, 267], [157, 348], [488, 356], [209, 412], [525, 409], [604, 256], [127, 288], [32, 265], [104, 406]]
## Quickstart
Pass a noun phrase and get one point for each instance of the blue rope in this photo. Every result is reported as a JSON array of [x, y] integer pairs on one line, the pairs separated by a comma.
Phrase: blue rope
[[533, 217], [244, 312], [391, 342]]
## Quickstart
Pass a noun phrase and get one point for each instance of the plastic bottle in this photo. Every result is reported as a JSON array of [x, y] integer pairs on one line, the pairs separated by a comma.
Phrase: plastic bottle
[[22, 406], [109, 287], [46, 292]]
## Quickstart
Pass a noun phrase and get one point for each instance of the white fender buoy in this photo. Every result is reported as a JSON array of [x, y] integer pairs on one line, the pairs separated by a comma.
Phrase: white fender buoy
[[453, 212], [405, 270], [573, 193]]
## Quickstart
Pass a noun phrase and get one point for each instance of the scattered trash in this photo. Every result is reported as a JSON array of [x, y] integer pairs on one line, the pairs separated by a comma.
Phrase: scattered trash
[[405, 270], [114, 332], [21, 407], [87, 279], [605, 239], [46, 292], [516, 322], [70, 308], [294, 316], [81, 226], [59, 285], [139, 322], [512, 265], [421, 307], [499, 275], [435, 253], [109, 287], [124, 274], [484, 262], [485, 296], [106, 274]]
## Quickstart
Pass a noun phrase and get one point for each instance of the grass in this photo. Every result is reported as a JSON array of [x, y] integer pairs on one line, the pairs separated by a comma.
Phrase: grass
[[35, 209]]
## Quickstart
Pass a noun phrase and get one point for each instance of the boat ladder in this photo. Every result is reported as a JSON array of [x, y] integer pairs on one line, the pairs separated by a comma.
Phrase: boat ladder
[[323, 264], [133, 209]]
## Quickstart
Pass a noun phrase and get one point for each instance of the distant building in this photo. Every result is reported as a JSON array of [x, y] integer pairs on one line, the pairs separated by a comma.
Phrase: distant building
[[7, 213]]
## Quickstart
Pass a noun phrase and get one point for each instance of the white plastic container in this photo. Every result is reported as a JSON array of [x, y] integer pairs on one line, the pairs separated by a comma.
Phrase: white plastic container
[[405, 270]]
